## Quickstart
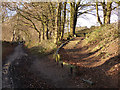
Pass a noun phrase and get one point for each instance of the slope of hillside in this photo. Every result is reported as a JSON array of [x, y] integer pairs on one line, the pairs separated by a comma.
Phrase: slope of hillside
[[104, 39], [96, 56]]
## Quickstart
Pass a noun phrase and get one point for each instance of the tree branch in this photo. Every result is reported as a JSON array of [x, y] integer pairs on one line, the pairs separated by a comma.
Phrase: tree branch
[[30, 21]]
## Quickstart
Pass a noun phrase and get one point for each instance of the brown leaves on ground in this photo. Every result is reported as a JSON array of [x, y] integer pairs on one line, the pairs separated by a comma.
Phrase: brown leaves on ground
[[22, 76], [7, 49], [102, 71]]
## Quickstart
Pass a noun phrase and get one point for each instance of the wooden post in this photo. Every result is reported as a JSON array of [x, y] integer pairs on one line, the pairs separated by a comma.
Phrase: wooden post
[[71, 70], [62, 65]]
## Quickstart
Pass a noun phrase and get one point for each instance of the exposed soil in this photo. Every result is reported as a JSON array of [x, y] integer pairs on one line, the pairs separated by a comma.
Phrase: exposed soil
[[23, 77], [16, 72], [25, 70], [90, 66], [53, 72], [7, 49]]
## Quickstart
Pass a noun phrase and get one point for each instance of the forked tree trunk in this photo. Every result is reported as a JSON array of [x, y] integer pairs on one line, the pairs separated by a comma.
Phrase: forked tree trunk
[[107, 8], [73, 16]]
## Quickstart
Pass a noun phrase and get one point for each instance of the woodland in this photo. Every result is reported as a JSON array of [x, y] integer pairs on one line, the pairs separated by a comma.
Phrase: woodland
[[43, 46]]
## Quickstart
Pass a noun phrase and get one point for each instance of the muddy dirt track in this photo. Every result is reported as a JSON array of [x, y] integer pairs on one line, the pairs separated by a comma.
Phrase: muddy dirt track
[[16, 71], [22, 70]]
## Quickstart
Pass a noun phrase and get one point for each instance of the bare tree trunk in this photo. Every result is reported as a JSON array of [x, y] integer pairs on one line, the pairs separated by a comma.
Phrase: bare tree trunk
[[98, 17], [68, 27], [72, 9], [104, 11], [13, 35], [57, 22], [75, 16], [39, 37], [52, 13], [75, 22], [109, 9], [42, 32], [46, 32], [64, 20]]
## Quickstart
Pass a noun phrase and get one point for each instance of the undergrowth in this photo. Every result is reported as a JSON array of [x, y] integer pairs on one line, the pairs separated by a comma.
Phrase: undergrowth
[[102, 38], [42, 48], [107, 33]]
